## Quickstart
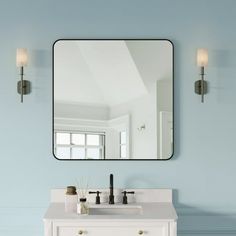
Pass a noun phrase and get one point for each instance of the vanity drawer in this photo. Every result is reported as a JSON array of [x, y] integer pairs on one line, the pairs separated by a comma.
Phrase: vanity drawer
[[122, 230]]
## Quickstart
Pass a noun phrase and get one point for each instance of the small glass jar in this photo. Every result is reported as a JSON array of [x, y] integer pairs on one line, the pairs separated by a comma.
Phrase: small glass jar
[[82, 207]]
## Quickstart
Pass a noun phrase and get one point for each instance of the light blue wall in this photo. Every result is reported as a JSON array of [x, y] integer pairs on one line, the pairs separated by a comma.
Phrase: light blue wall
[[203, 169]]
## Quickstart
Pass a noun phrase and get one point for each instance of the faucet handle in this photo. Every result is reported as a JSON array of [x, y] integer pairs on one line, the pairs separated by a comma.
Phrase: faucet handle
[[125, 199], [97, 197]]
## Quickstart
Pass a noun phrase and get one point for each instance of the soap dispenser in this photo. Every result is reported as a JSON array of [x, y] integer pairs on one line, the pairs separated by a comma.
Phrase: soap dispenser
[[71, 199]]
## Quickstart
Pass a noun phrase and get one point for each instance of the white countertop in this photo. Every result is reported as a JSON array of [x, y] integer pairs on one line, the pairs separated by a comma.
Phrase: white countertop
[[150, 211]]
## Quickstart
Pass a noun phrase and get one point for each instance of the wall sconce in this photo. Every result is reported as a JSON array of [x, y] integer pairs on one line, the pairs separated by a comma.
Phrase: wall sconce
[[23, 86], [202, 62]]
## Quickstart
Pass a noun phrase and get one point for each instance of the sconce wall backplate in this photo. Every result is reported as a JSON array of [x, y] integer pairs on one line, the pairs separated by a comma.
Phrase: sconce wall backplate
[[26, 87], [198, 87]]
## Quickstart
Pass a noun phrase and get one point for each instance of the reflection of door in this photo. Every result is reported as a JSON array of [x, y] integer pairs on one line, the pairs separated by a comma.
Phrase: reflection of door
[[166, 134]]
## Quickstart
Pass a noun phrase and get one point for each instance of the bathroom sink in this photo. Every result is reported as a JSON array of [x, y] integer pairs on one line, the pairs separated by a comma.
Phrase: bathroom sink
[[115, 210]]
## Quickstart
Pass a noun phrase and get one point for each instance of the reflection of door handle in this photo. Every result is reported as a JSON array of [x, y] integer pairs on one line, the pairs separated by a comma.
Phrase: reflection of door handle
[[141, 127]]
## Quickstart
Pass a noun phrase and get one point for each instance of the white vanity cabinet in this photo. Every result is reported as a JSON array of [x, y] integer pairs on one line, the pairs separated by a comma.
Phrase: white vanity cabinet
[[158, 218]]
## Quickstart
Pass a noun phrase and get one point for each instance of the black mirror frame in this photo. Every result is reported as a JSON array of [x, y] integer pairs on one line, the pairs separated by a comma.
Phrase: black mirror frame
[[173, 93]]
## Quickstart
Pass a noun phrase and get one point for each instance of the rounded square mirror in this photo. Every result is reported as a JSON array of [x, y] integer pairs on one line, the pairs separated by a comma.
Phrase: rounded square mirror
[[113, 99]]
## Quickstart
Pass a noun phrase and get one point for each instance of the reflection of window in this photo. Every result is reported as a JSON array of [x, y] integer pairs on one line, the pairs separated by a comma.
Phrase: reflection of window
[[123, 144], [79, 145]]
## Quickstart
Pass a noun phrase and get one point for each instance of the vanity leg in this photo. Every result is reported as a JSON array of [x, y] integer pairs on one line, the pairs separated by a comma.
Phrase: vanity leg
[[47, 228], [173, 228]]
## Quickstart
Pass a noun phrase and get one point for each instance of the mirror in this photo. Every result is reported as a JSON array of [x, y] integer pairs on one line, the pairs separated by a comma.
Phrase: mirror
[[113, 99]]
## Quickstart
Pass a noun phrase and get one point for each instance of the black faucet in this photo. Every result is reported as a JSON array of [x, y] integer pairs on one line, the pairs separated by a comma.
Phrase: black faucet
[[111, 196], [97, 197], [125, 199]]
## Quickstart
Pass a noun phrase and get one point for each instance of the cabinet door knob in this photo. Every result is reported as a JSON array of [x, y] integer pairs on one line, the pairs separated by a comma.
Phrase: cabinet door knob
[[140, 232], [80, 232]]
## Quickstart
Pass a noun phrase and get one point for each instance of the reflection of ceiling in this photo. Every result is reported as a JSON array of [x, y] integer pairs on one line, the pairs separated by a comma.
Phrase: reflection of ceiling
[[108, 73], [153, 59]]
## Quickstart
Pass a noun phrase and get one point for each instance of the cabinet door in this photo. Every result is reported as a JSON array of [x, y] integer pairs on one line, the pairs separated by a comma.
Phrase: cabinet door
[[158, 230]]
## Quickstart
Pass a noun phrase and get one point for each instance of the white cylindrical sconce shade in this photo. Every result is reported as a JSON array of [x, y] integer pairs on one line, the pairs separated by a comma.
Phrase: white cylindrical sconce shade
[[21, 57], [202, 57]]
